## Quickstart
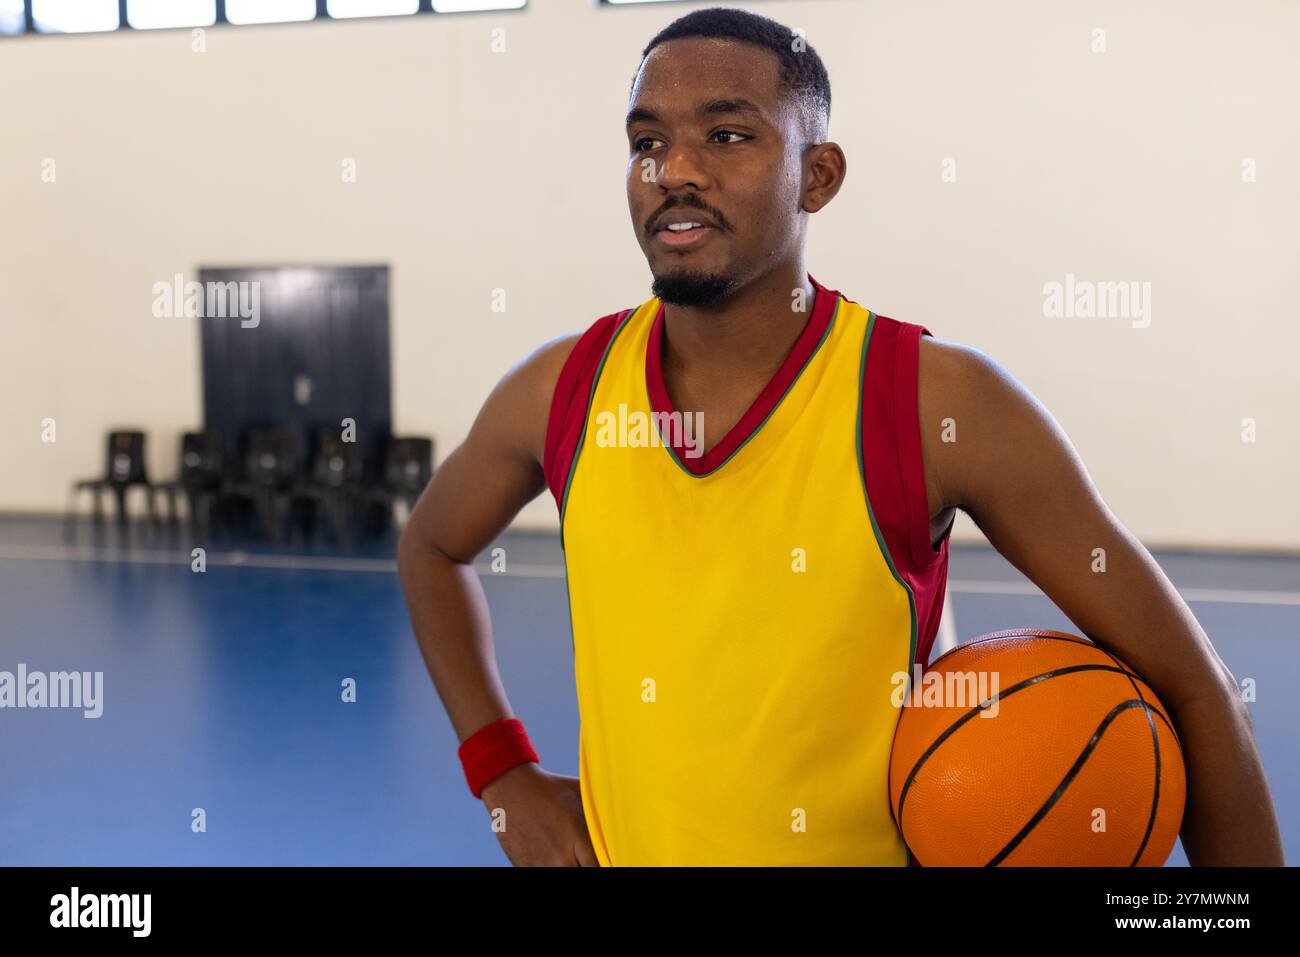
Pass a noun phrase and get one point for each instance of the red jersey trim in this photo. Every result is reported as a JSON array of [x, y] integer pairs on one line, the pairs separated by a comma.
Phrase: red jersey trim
[[894, 474], [569, 403]]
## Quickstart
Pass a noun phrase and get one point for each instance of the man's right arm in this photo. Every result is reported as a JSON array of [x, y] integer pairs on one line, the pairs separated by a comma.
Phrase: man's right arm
[[471, 499]]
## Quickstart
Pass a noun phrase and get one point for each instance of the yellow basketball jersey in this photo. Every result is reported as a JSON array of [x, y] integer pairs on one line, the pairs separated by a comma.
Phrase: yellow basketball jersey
[[739, 622]]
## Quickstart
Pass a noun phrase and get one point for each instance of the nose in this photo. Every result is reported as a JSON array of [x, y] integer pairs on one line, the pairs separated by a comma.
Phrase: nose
[[682, 166]]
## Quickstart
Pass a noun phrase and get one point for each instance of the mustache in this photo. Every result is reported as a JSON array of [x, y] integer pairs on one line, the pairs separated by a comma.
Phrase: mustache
[[717, 217]]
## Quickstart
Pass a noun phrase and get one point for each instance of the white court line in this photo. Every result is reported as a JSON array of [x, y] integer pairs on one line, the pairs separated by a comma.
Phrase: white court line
[[1223, 596], [61, 553], [327, 563], [946, 640]]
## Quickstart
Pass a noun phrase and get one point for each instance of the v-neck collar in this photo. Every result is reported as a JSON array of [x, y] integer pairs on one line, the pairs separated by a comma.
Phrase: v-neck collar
[[814, 331]]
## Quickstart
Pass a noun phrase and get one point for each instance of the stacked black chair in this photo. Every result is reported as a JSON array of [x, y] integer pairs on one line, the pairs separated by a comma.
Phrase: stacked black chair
[[336, 491], [124, 469], [199, 480], [333, 484], [408, 466], [271, 460]]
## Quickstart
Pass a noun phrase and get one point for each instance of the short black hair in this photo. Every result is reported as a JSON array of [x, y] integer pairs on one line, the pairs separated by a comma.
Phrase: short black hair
[[803, 75]]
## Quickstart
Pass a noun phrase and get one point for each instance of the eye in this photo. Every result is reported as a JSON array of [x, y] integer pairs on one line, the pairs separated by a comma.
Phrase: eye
[[742, 136], [637, 144]]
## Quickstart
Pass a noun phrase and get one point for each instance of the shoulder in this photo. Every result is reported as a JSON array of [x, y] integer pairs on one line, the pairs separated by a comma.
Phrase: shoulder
[[946, 355], [568, 353], [538, 389], [975, 418], [534, 376], [965, 379]]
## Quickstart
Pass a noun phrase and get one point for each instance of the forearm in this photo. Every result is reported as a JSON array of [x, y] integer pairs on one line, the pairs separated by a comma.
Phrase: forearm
[[452, 627], [1229, 819]]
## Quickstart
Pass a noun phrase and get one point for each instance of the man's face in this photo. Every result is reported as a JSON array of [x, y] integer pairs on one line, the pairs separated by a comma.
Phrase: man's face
[[712, 141]]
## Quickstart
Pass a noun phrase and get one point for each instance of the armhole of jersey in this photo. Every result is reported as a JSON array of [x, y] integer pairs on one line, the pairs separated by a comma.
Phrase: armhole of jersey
[[895, 473], [569, 404], [907, 382], [891, 442]]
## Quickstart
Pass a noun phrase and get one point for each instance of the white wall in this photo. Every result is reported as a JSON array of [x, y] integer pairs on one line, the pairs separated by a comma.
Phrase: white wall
[[1117, 166]]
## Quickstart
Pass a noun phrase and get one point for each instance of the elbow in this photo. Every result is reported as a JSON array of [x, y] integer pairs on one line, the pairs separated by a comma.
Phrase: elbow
[[408, 546], [414, 548]]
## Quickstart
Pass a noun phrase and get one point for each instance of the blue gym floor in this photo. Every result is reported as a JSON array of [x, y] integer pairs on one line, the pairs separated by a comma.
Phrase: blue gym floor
[[222, 691]]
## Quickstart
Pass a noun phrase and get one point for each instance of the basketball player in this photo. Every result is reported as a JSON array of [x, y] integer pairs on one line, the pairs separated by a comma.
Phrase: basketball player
[[741, 595]]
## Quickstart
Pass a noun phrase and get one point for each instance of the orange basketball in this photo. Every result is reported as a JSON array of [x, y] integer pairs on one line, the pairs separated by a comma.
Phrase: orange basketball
[[1071, 760]]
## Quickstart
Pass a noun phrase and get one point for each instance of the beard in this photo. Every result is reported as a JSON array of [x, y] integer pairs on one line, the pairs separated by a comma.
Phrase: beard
[[692, 288]]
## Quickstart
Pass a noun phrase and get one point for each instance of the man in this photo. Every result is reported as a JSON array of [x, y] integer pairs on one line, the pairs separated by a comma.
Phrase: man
[[742, 594]]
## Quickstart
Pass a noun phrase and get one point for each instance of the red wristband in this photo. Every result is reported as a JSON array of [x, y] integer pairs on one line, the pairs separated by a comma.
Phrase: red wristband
[[493, 750]]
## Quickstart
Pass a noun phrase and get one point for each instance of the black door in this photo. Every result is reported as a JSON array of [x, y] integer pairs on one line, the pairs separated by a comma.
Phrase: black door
[[312, 353]]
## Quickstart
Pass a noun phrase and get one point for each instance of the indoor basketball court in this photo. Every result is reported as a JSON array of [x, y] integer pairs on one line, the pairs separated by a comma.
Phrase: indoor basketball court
[[267, 261]]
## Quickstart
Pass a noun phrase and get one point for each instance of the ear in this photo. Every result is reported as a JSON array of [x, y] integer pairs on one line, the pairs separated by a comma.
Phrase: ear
[[824, 170]]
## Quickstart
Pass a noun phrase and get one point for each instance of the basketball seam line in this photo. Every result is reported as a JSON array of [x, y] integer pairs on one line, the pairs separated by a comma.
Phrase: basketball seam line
[[1070, 775], [952, 728]]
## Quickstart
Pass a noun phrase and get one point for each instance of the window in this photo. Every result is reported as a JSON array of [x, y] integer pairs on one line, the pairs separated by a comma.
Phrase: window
[[370, 8], [459, 6], [105, 16], [151, 14], [74, 16], [11, 16], [269, 11]]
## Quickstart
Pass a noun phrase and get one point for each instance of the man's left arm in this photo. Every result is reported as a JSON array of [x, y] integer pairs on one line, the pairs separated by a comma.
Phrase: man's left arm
[[1014, 471]]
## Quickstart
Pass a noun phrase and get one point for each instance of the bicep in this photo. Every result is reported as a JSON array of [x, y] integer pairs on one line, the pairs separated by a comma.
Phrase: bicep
[[1020, 479]]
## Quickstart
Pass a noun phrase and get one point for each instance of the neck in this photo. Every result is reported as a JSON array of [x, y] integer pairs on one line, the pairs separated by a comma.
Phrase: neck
[[748, 335]]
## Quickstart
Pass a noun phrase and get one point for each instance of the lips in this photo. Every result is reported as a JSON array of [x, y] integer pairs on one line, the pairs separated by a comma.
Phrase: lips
[[683, 227], [678, 238], [680, 216]]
